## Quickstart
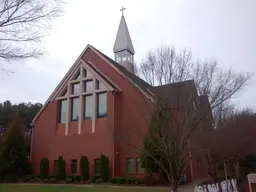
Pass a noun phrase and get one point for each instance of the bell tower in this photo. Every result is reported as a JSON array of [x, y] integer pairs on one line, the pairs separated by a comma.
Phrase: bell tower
[[123, 48]]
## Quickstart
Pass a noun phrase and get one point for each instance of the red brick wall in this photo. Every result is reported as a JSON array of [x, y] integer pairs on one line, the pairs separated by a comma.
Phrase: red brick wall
[[118, 136], [123, 120]]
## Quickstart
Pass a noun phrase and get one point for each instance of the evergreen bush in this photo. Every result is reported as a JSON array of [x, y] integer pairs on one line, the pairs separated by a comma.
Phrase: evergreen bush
[[99, 181], [44, 168], [61, 169], [84, 168], [70, 179], [104, 168], [28, 177], [77, 178], [121, 180], [95, 177]]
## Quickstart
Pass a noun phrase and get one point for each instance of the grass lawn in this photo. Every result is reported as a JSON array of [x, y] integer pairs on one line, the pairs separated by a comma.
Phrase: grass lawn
[[68, 188]]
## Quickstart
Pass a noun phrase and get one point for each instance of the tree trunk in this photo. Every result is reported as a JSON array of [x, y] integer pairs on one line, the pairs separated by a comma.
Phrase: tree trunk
[[174, 187], [237, 169]]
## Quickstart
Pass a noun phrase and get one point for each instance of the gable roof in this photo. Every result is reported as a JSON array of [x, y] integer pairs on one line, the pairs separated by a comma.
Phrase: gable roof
[[139, 83], [175, 93], [123, 40]]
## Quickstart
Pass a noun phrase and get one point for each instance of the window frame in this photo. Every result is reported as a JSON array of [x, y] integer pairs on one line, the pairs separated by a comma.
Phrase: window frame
[[60, 110], [85, 86], [73, 88], [71, 166], [128, 163], [72, 109], [55, 167], [98, 106], [85, 74], [139, 169], [97, 163], [84, 115]]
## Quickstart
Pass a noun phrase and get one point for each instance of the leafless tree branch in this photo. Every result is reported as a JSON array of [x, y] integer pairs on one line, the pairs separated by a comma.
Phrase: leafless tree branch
[[23, 24]]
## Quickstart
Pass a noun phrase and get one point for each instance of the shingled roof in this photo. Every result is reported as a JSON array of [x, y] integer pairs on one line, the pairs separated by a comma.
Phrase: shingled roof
[[181, 89], [175, 93]]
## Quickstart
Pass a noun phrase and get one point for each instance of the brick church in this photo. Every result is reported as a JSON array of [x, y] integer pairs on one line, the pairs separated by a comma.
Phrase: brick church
[[96, 108]]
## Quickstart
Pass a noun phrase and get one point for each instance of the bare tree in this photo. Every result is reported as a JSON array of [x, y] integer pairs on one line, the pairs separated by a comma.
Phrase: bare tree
[[173, 123], [166, 65], [234, 138], [23, 24], [174, 127]]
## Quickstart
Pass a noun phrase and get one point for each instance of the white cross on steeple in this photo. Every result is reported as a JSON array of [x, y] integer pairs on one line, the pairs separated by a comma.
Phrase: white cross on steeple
[[122, 10]]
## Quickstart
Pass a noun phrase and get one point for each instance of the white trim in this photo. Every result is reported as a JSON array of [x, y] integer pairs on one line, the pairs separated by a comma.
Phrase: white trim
[[80, 119], [94, 103], [98, 77], [67, 116]]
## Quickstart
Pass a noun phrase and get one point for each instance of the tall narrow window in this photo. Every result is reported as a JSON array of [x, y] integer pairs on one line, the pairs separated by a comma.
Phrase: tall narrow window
[[97, 166], [63, 111], [75, 109], [55, 166], [73, 166], [88, 107], [88, 86], [139, 169], [101, 105], [129, 165], [75, 88]]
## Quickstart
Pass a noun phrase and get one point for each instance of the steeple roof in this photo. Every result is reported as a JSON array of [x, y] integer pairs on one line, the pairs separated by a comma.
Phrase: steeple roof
[[123, 39]]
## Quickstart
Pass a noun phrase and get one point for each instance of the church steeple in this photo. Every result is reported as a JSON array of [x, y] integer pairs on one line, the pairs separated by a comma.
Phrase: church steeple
[[123, 48]]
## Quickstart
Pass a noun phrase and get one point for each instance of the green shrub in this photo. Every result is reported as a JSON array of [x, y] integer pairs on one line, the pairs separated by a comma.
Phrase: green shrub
[[53, 180], [99, 181], [132, 180], [94, 178], [52, 176], [44, 168], [10, 177], [84, 168], [136, 181], [69, 179], [46, 180], [121, 180], [38, 179], [77, 178], [28, 177], [38, 176], [113, 180], [61, 169], [104, 168]]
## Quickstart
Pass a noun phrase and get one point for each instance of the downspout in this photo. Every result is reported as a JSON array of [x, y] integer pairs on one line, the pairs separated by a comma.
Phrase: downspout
[[113, 134]]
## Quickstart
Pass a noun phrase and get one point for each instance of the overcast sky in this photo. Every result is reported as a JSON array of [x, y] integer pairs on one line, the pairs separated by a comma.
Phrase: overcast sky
[[224, 30]]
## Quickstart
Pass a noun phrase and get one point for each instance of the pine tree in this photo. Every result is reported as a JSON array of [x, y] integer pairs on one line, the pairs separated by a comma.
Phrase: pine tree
[[13, 154], [104, 168], [84, 168], [44, 168], [61, 169]]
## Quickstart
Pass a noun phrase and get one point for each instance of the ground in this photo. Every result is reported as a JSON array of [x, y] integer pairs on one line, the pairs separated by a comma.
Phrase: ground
[[68, 188], [83, 188]]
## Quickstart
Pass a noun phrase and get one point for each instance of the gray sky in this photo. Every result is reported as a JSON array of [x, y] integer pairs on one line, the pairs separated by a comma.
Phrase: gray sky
[[223, 30]]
